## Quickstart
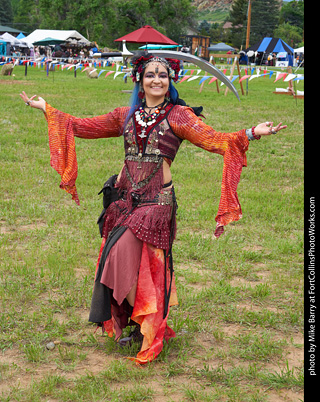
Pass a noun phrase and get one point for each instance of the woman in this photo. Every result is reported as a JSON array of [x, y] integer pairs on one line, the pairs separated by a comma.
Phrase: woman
[[134, 281]]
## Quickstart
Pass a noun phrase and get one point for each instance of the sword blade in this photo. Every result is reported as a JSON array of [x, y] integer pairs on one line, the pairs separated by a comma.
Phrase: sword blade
[[203, 64]]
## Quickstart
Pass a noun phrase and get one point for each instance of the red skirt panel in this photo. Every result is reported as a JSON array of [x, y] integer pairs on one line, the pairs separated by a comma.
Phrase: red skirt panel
[[149, 302]]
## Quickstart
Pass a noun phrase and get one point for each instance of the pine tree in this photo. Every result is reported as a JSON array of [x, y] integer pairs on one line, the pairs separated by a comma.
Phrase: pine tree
[[6, 13], [238, 18], [264, 19]]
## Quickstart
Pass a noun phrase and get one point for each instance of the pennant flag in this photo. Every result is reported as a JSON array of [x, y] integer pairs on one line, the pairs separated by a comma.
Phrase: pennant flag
[[117, 73], [101, 73], [191, 72], [108, 73], [254, 76], [290, 77], [234, 78], [271, 72], [185, 78], [203, 79], [92, 71], [279, 76], [299, 77], [213, 79], [193, 78], [84, 69], [244, 77]]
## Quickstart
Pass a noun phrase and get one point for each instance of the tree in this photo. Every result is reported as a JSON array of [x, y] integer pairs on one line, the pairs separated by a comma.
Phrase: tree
[[104, 21], [291, 34], [6, 13], [238, 18], [264, 19], [293, 13], [26, 15], [174, 16], [204, 27]]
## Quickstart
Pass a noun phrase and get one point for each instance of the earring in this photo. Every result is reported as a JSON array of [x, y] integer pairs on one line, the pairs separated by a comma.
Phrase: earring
[[141, 94], [167, 96]]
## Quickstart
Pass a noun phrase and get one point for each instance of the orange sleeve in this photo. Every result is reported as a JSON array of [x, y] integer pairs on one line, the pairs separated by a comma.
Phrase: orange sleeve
[[232, 146], [62, 128]]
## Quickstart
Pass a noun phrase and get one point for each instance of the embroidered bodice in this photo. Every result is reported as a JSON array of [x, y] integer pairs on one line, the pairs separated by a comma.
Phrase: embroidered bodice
[[158, 140]]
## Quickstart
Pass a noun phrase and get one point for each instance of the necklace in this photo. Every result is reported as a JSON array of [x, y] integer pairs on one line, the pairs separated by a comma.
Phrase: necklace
[[152, 107], [145, 120]]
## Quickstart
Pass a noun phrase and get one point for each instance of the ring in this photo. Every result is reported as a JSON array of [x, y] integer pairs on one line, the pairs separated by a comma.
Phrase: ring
[[28, 103], [273, 131]]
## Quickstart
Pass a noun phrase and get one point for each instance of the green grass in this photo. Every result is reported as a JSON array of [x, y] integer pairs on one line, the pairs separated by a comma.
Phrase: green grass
[[239, 322]]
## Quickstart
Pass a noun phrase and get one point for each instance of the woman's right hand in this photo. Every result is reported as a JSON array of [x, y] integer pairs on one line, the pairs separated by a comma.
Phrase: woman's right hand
[[37, 104]]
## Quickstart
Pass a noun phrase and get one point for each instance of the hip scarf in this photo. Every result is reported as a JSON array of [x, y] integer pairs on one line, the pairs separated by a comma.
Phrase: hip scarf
[[102, 297]]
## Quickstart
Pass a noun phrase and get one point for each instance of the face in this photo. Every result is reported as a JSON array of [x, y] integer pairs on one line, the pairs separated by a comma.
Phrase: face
[[155, 82]]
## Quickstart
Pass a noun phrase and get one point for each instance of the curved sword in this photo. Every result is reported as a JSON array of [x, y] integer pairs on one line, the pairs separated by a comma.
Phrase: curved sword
[[203, 64]]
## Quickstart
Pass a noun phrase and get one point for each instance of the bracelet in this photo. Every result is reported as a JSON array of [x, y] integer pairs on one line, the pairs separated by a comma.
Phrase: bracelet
[[256, 137]]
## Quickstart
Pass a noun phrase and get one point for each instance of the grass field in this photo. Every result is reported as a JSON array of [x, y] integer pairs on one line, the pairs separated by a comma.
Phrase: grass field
[[239, 322]]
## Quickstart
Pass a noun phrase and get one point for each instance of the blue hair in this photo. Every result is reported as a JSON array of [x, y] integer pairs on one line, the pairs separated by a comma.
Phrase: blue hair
[[173, 93]]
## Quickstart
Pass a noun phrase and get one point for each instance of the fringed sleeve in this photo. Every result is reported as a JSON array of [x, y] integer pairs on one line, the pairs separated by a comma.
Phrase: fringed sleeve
[[232, 146], [62, 128]]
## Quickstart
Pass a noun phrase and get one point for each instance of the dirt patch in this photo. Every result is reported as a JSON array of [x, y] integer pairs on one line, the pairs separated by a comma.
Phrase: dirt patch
[[11, 81], [21, 228]]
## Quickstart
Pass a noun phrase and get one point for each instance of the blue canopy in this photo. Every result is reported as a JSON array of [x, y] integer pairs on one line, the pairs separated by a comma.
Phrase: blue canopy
[[159, 47], [21, 36], [273, 45], [3, 47]]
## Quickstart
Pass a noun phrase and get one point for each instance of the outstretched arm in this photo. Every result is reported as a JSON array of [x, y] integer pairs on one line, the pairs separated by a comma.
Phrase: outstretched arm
[[267, 128], [232, 146], [104, 126], [37, 104]]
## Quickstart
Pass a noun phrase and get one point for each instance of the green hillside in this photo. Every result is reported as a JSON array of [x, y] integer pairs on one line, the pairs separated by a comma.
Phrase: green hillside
[[219, 15]]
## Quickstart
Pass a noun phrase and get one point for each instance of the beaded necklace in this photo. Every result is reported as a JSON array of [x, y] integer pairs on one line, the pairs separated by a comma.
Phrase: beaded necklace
[[145, 120]]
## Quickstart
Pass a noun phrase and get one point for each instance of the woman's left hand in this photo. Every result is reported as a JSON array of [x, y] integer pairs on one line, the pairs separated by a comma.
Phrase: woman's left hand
[[267, 128]]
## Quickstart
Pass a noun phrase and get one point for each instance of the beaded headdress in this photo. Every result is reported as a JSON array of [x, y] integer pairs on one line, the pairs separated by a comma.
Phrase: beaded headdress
[[139, 63]]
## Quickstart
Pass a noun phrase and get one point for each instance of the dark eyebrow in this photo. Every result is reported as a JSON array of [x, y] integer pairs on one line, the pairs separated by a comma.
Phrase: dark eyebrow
[[153, 72]]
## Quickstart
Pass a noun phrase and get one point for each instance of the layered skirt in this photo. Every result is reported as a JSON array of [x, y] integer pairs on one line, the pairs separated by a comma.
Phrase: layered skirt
[[137, 248]]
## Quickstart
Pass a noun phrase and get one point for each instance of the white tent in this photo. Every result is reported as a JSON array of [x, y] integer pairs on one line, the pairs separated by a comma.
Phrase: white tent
[[299, 50], [10, 39], [68, 36]]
